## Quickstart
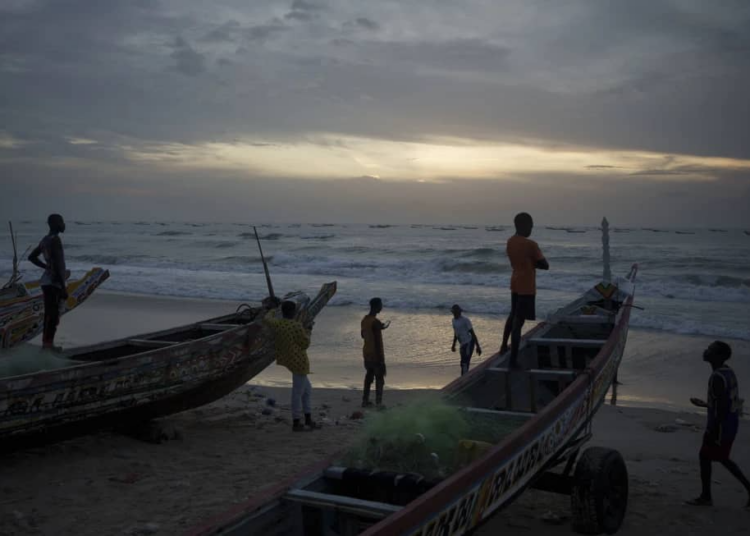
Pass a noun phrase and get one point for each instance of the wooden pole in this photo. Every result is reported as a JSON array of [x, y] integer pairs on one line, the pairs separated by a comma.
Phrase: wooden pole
[[605, 244], [265, 266]]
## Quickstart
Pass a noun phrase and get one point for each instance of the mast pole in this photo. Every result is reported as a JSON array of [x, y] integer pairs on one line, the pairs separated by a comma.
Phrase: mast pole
[[607, 276], [265, 266]]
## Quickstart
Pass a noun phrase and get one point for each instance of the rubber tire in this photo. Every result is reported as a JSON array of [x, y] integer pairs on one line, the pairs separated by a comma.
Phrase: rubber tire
[[600, 492]]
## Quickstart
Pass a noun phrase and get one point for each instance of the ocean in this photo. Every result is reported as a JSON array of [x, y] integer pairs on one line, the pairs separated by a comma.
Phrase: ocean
[[690, 281]]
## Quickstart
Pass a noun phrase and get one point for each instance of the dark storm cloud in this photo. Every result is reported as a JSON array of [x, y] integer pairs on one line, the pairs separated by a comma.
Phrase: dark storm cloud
[[187, 60], [662, 76], [658, 75]]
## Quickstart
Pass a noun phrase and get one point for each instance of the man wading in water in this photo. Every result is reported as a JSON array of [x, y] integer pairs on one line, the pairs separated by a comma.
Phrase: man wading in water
[[53, 279]]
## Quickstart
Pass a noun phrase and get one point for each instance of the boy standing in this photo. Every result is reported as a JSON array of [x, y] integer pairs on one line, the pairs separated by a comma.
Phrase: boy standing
[[525, 258], [372, 351], [463, 332], [53, 279], [724, 406], [292, 341]]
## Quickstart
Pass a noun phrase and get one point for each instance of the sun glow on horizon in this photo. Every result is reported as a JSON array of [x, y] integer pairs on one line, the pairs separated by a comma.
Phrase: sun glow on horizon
[[335, 157]]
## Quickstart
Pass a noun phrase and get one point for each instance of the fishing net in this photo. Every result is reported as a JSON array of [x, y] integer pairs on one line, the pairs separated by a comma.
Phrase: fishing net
[[27, 359], [429, 438]]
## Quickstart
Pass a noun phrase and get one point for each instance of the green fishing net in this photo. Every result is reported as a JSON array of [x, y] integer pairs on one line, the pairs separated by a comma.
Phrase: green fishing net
[[424, 438]]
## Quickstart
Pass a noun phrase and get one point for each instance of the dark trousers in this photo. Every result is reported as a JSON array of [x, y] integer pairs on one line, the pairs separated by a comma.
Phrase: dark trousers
[[466, 351], [375, 371], [52, 297]]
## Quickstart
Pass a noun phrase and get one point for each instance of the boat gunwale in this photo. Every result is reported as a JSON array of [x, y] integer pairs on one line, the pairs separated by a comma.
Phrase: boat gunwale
[[148, 352]]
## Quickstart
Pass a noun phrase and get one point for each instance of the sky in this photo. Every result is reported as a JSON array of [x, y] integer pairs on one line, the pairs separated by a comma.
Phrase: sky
[[353, 111]]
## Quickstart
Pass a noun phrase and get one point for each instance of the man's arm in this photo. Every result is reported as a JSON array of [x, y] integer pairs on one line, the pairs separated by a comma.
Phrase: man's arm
[[58, 262], [453, 346], [720, 407], [34, 258], [304, 338], [377, 328], [540, 263], [476, 341]]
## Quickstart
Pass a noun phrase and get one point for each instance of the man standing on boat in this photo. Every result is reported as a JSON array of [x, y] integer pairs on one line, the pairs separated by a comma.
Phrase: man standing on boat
[[53, 279], [724, 407], [292, 340], [525, 258], [373, 353], [463, 333]]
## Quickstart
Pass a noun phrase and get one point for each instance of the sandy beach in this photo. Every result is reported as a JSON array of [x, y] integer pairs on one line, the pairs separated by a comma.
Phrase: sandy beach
[[223, 453]]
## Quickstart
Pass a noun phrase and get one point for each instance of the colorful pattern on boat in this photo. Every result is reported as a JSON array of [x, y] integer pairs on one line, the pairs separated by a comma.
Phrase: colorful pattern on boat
[[22, 319]]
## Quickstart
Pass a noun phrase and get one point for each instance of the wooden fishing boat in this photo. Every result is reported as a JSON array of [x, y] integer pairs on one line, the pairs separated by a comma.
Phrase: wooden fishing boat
[[22, 306], [567, 366], [143, 377]]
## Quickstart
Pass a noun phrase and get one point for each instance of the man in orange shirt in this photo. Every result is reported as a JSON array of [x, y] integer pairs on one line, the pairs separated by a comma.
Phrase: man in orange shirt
[[525, 258]]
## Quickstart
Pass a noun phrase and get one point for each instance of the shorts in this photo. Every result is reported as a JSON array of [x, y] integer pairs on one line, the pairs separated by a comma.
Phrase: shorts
[[523, 306], [714, 451], [375, 368]]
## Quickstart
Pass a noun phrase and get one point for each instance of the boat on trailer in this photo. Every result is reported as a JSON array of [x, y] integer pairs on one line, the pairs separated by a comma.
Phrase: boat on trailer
[[22, 306], [545, 409], [133, 380]]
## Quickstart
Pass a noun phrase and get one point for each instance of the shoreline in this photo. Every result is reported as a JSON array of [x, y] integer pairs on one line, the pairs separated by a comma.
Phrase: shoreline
[[659, 369]]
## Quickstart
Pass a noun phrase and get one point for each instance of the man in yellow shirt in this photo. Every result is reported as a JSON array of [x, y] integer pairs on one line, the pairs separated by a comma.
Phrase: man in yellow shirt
[[373, 353], [292, 340]]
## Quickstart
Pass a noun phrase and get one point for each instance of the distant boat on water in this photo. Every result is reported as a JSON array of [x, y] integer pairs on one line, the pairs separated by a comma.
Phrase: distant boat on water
[[718, 230], [747, 233], [445, 228], [575, 231], [684, 232], [494, 229]]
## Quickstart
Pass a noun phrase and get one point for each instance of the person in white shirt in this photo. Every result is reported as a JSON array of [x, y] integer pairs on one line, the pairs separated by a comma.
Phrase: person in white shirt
[[463, 333]]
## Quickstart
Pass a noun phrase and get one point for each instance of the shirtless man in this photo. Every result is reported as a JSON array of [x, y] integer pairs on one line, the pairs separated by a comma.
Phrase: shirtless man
[[53, 279]]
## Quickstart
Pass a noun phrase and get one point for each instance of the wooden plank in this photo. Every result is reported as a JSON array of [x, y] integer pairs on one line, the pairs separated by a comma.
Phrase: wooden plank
[[501, 413], [569, 342], [371, 509], [151, 343], [603, 320], [536, 372], [508, 393], [219, 327]]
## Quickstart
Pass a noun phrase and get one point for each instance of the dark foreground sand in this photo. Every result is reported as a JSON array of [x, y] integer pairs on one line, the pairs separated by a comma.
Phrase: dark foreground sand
[[228, 451]]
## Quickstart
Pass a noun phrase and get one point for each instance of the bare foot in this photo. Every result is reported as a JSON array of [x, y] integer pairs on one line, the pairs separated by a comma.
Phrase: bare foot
[[700, 501]]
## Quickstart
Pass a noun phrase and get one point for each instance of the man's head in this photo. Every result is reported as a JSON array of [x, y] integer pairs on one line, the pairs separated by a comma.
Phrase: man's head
[[376, 305], [717, 353], [456, 310], [56, 223], [288, 308], [524, 224]]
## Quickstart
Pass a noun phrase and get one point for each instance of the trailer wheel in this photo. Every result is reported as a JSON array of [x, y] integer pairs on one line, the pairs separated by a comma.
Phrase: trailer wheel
[[600, 492]]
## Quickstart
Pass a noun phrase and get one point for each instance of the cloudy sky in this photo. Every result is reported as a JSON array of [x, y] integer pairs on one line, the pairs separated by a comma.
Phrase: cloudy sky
[[347, 110]]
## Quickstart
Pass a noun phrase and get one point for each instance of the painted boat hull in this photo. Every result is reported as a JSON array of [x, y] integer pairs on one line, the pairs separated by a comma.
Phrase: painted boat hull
[[22, 318], [56, 404], [470, 496]]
